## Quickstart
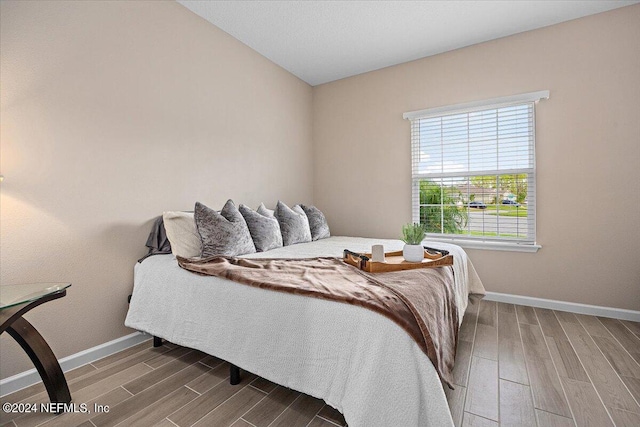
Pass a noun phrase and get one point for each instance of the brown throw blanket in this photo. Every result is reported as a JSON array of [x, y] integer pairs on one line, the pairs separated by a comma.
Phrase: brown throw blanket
[[421, 301]]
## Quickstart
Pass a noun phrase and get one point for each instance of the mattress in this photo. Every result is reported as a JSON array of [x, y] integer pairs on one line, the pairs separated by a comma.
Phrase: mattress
[[358, 361]]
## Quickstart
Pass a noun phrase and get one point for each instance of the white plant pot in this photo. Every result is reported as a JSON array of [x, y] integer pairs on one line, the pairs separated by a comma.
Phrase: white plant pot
[[413, 253]]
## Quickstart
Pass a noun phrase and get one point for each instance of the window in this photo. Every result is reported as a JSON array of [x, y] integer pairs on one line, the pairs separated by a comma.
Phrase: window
[[473, 171]]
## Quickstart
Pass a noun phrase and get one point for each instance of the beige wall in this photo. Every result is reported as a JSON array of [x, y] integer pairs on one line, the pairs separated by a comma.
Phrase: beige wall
[[112, 112], [588, 152]]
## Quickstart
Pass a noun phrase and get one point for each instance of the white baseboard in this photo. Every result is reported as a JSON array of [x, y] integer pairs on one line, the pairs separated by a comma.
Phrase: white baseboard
[[27, 378], [593, 310]]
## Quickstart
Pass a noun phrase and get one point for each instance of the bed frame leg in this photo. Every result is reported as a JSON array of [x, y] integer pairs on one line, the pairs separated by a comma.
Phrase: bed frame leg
[[157, 341], [234, 375]]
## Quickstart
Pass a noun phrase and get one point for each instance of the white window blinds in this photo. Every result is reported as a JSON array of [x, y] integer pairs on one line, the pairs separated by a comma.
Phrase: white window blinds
[[473, 169]]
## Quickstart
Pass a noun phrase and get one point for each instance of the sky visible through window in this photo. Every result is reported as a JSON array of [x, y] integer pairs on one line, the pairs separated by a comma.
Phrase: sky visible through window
[[476, 143]]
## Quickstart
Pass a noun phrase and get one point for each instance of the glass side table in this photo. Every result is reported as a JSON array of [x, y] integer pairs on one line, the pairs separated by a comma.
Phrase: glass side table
[[15, 301]]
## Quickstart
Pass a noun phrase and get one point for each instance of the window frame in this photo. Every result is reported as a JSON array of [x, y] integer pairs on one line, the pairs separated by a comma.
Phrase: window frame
[[479, 242]]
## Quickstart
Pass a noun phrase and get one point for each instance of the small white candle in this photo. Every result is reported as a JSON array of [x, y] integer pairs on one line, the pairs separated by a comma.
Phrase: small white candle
[[377, 253]]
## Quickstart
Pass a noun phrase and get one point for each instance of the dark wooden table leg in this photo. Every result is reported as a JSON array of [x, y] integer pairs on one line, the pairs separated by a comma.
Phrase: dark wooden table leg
[[43, 358]]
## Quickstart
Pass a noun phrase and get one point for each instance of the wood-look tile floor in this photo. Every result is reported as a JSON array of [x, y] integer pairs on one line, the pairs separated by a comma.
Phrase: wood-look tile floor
[[524, 366], [516, 366]]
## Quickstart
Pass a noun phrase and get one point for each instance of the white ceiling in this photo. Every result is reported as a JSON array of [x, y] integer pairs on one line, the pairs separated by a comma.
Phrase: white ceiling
[[322, 41]]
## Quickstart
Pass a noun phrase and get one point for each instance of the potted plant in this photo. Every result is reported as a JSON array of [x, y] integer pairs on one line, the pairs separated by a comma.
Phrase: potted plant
[[412, 235]]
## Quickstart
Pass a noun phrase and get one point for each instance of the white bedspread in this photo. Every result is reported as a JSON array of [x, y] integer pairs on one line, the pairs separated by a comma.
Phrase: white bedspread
[[358, 361]]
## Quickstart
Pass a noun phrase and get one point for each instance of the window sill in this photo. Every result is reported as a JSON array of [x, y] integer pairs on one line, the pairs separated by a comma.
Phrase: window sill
[[491, 246]]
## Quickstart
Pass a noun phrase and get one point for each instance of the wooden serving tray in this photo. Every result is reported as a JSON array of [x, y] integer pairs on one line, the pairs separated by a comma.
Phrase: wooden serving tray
[[394, 261]]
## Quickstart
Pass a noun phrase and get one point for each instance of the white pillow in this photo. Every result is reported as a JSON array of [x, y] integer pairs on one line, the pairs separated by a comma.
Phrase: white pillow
[[182, 234]]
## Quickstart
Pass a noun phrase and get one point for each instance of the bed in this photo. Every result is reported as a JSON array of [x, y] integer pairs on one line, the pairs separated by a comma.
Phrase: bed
[[359, 362]]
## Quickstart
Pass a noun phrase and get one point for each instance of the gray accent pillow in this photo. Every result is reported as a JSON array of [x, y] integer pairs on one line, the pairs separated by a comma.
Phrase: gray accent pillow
[[264, 228], [294, 224], [224, 233], [317, 222], [262, 210]]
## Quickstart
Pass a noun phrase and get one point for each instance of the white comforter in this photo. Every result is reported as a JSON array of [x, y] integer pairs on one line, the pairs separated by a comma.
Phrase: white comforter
[[358, 361]]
